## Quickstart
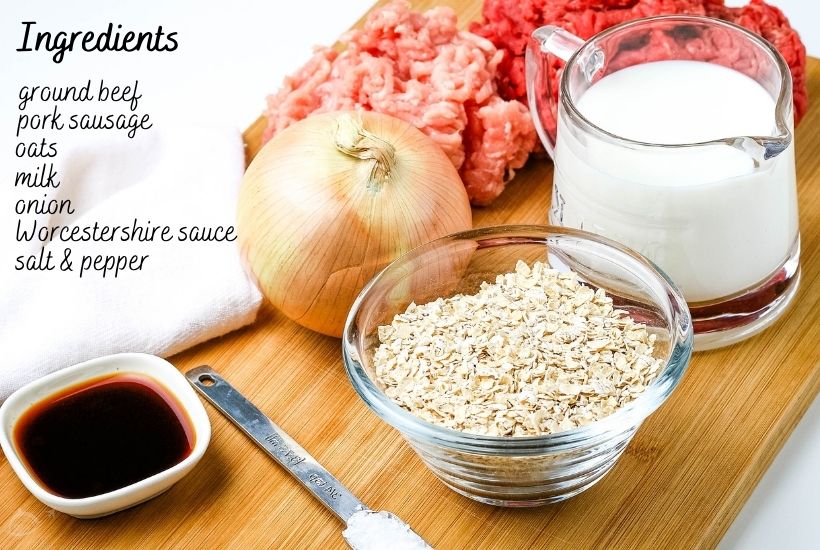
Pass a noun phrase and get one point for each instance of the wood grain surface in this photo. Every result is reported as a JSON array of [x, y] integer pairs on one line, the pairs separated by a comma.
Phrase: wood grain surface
[[679, 484]]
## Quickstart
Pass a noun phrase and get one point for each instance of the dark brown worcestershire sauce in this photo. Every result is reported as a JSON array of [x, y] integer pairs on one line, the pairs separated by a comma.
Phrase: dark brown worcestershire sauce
[[103, 434]]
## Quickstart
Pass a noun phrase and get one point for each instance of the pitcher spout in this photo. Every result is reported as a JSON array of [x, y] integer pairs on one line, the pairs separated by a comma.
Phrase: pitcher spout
[[763, 149], [774, 146], [784, 117]]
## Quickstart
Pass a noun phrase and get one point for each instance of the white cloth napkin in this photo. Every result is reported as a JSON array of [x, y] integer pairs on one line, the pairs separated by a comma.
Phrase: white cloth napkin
[[186, 293]]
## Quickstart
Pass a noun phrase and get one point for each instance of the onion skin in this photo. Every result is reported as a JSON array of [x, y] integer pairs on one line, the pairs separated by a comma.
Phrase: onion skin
[[316, 224]]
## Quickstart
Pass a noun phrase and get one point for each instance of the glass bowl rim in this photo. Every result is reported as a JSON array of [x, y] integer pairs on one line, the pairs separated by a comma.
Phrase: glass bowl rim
[[631, 415]]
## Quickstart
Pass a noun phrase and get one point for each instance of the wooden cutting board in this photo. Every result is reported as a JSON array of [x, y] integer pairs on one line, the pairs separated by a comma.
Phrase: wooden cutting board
[[679, 484]]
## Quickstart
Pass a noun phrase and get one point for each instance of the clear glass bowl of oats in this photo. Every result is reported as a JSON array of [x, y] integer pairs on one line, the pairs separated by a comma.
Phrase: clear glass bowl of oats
[[518, 361]]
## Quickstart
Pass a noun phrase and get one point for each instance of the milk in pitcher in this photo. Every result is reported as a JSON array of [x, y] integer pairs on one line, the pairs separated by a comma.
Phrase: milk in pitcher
[[713, 217]]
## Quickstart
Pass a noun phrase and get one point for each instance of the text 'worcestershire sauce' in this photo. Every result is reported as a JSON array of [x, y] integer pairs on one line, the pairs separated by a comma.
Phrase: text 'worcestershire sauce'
[[103, 434]]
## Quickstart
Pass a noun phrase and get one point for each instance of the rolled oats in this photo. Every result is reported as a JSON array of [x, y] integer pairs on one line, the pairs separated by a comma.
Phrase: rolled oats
[[535, 353]]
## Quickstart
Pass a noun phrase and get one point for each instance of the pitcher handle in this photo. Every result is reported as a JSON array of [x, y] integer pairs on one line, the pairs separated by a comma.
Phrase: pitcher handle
[[546, 44]]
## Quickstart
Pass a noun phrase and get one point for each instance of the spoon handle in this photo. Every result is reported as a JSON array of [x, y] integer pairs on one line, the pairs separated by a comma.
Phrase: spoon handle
[[275, 442]]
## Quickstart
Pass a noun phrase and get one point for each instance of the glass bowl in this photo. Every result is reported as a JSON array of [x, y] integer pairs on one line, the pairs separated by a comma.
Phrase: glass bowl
[[519, 471]]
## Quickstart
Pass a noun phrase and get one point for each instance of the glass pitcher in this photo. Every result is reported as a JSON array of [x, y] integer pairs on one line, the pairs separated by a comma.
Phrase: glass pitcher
[[718, 216]]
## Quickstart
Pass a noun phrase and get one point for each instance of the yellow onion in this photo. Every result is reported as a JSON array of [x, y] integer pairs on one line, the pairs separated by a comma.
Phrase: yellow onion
[[332, 199]]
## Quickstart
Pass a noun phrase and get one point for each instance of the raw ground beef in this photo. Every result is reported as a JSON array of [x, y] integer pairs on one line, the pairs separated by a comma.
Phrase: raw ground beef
[[509, 24], [422, 69]]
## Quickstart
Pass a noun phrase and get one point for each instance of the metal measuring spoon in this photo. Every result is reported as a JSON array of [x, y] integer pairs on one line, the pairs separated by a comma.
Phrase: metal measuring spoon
[[366, 528]]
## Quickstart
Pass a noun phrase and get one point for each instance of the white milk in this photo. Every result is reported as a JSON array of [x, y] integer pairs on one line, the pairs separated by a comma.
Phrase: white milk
[[705, 215]]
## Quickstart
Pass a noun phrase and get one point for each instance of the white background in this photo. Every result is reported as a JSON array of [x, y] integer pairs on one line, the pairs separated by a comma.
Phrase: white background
[[232, 53]]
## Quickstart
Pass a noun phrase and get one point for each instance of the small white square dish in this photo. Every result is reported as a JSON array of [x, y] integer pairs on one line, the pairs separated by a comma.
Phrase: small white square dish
[[104, 435]]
